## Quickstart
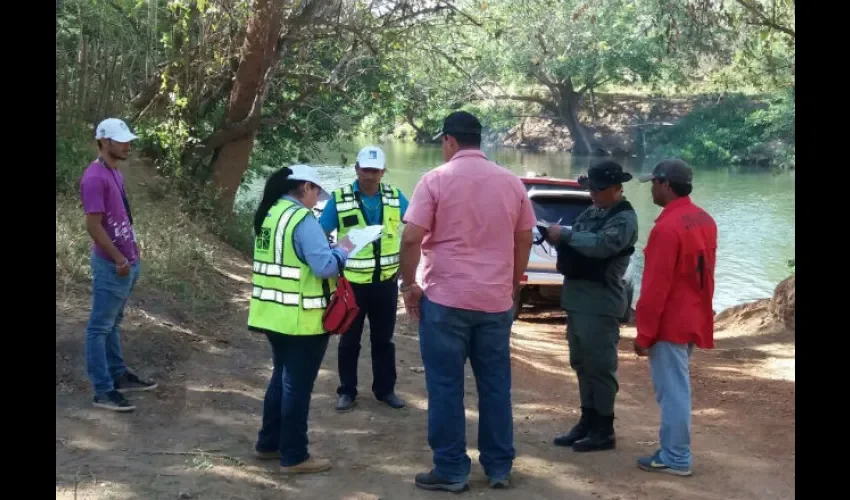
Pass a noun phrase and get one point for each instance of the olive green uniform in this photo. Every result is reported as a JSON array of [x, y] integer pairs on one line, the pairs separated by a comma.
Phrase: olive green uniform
[[594, 308]]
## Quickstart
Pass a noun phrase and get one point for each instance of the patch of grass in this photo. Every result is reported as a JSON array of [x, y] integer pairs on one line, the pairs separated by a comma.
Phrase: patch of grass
[[175, 257], [178, 255], [72, 241], [237, 230]]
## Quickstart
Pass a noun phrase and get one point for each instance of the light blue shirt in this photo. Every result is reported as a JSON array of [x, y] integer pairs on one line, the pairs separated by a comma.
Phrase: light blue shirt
[[371, 205], [311, 246]]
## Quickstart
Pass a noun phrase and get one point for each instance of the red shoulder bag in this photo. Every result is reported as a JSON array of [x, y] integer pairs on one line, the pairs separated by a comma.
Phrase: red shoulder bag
[[342, 307]]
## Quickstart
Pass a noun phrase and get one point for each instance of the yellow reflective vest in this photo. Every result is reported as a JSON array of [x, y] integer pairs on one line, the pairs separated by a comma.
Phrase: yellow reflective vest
[[378, 261], [286, 297]]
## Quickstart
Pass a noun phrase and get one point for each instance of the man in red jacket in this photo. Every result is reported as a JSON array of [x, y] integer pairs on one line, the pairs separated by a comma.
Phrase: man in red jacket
[[674, 310]]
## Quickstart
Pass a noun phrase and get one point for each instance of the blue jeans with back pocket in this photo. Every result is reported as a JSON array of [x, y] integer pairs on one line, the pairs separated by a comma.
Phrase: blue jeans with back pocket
[[447, 337], [103, 343]]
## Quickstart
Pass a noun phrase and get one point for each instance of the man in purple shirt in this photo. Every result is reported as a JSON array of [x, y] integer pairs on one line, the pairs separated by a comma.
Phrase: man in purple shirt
[[115, 267]]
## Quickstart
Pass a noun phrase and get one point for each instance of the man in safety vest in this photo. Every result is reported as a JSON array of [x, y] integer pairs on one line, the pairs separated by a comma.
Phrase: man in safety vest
[[372, 272]]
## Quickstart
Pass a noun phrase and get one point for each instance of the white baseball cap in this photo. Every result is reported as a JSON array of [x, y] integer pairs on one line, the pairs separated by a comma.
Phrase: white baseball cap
[[114, 129], [371, 157], [309, 174]]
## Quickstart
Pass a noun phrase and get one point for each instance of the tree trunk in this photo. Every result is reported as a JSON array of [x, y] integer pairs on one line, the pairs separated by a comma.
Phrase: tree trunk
[[247, 96], [568, 105], [568, 108], [562, 104], [422, 136], [593, 104], [83, 80]]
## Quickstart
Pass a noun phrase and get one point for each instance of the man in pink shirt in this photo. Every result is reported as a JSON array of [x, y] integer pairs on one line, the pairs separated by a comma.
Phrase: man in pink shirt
[[471, 220]]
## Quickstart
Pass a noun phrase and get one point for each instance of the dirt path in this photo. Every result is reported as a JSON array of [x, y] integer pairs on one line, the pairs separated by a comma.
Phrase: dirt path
[[193, 437]]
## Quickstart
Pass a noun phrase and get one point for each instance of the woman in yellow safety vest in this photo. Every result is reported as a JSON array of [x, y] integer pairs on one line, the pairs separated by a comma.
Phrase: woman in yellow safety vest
[[295, 271]]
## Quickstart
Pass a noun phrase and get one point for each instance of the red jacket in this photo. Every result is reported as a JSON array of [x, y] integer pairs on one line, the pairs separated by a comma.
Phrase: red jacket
[[678, 278]]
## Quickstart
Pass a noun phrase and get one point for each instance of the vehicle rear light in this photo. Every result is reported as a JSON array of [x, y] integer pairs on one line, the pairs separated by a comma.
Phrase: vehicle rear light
[[524, 278]]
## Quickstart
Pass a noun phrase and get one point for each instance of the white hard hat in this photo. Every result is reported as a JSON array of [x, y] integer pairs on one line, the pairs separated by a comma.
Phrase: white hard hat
[[308, 173], [114, 129], [371, 157]]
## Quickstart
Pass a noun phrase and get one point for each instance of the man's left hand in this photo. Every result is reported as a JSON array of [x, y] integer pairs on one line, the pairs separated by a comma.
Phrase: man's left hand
[[553, 234], [641, 351], [412, 298]]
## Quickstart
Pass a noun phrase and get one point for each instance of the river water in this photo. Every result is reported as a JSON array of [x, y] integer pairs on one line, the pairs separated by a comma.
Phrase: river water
[[754, 210]]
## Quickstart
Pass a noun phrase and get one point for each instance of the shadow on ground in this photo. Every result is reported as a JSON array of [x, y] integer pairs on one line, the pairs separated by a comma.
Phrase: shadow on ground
[[193, 437]]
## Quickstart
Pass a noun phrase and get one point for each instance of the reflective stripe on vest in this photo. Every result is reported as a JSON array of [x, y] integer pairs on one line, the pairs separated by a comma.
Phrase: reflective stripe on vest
[[347, 205], [285, 272], [389, 260], [269, 295], [281, 229], [288, 299]]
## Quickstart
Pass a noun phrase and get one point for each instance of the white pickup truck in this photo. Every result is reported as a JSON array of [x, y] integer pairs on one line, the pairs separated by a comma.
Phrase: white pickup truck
[[557, 201]]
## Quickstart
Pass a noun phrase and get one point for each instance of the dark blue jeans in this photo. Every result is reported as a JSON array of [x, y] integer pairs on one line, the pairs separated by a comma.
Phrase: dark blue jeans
[[296, 359], [447, 337], [103, 341]]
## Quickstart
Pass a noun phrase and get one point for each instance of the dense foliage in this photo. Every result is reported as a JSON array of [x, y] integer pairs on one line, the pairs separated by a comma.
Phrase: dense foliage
[[217, 86], [734, 129]]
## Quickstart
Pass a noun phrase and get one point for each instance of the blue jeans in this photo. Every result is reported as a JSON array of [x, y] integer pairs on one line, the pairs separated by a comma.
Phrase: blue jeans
[[447, 336], [296, 360], [668, 365], [103, 343]]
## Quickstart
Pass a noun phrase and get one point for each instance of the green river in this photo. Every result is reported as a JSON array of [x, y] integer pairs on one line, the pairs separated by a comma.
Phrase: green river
[[754, 210]]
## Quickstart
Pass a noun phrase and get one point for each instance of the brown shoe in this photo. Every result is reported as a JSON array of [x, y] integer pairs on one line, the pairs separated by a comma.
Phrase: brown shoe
[[310, 466], [266, 455]]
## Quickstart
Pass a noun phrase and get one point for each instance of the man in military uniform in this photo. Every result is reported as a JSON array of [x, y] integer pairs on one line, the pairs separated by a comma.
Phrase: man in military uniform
[[372, 272], [593, 255]]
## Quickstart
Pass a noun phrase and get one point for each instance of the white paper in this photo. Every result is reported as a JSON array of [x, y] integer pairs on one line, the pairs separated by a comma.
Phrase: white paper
[[361, 237], [544, 223]]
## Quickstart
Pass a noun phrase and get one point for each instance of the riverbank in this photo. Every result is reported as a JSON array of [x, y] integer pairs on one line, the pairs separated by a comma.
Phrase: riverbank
[[704, 129], [620, 123], [192, 438]]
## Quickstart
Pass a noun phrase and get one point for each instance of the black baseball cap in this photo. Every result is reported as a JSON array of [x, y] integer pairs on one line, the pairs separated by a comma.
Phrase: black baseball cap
[[604, 175], [459, 122], [672, 170]]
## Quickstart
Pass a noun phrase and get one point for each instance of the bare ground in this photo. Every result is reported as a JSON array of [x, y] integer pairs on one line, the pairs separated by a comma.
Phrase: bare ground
[[192, 438]]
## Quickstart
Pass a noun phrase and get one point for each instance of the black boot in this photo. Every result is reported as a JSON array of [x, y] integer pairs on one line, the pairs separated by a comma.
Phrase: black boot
[[601, 436], [580, 430]]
